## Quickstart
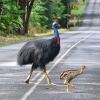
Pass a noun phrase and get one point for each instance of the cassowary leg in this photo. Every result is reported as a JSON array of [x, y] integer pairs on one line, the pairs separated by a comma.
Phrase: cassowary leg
[[67, 84], [47, 78], [69, 89], [70, 86], [29, 76]]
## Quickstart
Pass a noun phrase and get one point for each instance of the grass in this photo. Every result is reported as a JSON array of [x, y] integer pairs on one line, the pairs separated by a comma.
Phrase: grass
[[11, 39]]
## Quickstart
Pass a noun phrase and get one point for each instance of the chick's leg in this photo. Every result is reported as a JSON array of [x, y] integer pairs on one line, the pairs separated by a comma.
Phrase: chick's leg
[[71, 87], [66, 84]]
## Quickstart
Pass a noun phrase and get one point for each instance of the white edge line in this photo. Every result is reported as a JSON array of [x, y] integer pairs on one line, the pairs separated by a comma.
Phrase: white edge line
[[28, 93], [77, 62], [36, 76]]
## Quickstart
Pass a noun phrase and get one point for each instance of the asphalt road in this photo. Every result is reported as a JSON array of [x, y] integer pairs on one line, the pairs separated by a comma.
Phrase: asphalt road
[[80, 46]]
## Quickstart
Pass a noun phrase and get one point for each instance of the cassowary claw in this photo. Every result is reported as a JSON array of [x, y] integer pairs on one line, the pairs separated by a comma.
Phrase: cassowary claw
[[52, 84], [27, 81]]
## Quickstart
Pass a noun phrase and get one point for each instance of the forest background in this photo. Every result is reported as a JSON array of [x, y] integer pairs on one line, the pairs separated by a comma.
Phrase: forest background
[[22, 19]]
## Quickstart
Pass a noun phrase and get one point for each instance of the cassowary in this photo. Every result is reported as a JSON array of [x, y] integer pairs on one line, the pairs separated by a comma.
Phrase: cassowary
[[68, 75], [39, 53]]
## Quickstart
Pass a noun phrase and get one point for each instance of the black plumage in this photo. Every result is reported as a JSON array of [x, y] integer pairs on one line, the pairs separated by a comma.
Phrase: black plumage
[[38, 53]]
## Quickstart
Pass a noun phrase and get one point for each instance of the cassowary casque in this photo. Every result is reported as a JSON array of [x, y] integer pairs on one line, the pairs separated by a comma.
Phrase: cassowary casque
[[39, 53]]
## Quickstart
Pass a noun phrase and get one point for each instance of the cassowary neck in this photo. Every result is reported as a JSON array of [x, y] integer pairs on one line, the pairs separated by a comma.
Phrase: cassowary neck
[[81, 71], [58, 40], [56, 33], [57, 37]]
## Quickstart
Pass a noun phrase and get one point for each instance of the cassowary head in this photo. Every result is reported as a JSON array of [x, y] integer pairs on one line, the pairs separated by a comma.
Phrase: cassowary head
[[82, 68]]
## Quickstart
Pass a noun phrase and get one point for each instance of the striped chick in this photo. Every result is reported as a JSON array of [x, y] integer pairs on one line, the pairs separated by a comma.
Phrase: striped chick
[[69, 75]]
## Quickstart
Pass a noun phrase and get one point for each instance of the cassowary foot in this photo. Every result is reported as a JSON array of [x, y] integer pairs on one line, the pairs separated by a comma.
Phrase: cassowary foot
[[68, 91], [73, 87], [26, 81], [52, 84], [70, 88]]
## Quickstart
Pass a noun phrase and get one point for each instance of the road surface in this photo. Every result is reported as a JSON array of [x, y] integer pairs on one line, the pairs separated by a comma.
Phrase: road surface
[[79, 46]]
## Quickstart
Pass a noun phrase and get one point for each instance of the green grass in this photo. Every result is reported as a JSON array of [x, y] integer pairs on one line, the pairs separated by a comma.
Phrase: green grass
[[81, 8], [11, 39], [77, 12], [80, 11]]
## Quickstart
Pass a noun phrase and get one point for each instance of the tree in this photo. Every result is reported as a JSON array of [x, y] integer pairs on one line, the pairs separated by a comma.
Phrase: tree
[[26, 7], [84, 1], [1, 7], [66, 12]]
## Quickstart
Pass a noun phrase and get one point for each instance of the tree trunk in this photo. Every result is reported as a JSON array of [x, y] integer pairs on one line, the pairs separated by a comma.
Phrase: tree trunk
[[67, 12], [1, 7], [26, 7]]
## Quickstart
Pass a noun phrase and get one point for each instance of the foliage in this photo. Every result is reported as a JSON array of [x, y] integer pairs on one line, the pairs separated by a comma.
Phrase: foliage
[[44, 10], [15, 14], [10, 19], [79, 7], [38, 17]]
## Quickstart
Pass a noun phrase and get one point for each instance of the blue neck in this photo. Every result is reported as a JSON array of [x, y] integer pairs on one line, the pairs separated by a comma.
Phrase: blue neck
[[55, 28], [56, 34]]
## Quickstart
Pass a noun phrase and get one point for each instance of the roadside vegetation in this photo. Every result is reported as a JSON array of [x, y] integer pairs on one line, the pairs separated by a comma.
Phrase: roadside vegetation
[[21, 20]]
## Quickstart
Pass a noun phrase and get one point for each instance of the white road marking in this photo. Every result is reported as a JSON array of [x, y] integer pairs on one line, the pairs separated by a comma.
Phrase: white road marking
[[79, 62], [83, 32], [11, 64], [90, 83], [28, 93], [61, 85], [94, 46], [38, 74], [14, 64], [7, 64]]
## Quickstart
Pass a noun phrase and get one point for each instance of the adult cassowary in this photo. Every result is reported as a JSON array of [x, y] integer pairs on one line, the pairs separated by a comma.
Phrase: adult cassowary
[[39, 53]]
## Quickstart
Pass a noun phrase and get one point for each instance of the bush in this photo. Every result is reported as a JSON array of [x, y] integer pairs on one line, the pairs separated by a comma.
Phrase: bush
[[10, 19]]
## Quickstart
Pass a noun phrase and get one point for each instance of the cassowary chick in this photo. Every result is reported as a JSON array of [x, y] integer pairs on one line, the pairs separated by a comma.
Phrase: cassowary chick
[[69, 75]]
